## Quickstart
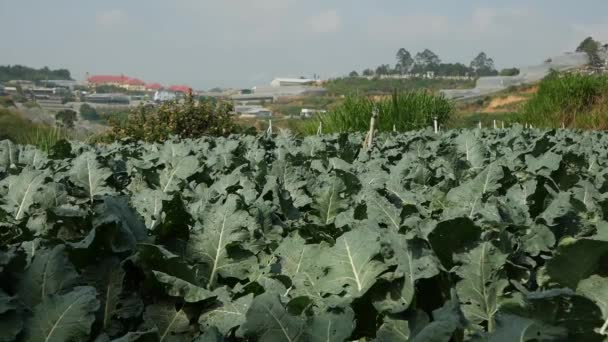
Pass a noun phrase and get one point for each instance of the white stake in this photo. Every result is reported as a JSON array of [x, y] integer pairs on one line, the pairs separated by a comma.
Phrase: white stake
[[435, 125], [502, 123], [563, 125], [320, 129], [269, 127], [495, 124], [394, 128], [479, 124]]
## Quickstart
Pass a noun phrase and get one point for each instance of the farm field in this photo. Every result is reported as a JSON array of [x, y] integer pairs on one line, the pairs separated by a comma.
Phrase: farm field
[[466, 235]]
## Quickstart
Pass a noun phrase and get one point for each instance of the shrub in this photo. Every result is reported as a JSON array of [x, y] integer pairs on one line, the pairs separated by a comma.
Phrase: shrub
[[66, 118], [190, 119], [88, 112], [401, 111], [577, 101]]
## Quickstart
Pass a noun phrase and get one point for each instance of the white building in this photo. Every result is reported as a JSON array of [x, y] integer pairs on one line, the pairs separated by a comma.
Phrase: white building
[[287, 82], [308, 113], [164, 95], [252, 111]]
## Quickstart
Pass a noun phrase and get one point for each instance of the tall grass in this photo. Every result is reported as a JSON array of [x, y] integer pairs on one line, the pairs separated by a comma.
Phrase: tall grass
[[574, 100], [15, 127], [401, 111]]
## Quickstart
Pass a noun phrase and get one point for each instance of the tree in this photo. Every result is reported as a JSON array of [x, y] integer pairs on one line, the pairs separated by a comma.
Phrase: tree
[[482, 65], [427, 60], [509, 72], [353, 74], [66, 118], [591, 48], [88, 112], [404, 61], [368, 72], [383, 69]]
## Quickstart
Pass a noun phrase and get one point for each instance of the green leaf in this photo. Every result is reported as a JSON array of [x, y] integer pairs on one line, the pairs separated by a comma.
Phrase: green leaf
[[331, 326], [172, 324], [149, 204], [453, 236], [65, 317], [269, 321], [329, 201], [108, 277], [176, 171], [512, 328], [468, 198], [394, 330], [471, 148], [576, 260], [350, 265], [223, 225], [11, 320], [22, 191], [446, 320], [139, 336], [180, 288], [381, 211], [482, 283], [49, 273], [228, 315], [297, 260], [596, 289], [89, 175], [413, 262]]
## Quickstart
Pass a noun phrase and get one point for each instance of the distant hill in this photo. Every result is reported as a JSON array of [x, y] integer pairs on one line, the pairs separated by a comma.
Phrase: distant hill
[[20, 72]]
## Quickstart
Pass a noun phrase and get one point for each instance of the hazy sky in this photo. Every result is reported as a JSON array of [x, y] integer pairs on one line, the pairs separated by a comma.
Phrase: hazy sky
[[239, 43]]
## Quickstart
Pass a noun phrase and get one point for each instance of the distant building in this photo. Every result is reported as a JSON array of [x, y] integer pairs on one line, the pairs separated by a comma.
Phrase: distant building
[[153, 87], [180, 89], [68, 84], [2, 91], [286, 82], [308, 113], [252, 111], [122, 81], [108, 99], [164, 96]]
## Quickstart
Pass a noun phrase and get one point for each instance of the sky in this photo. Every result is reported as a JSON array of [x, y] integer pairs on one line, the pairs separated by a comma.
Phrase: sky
[[242, 43]]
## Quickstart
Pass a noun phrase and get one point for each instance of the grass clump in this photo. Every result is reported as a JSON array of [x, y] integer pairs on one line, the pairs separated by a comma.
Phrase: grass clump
[[15, 127], [401, 112], [574, 100]]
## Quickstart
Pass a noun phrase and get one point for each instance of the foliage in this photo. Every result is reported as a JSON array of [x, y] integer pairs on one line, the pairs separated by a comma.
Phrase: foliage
[[401, 111], [482, 65], [404, 61], [88, 112], [15, 127], [509, 72], [591, 48], [6, 101], [66, 118], [574, 100], [472, 235], [190, 119], [377, 86], [19, 72]]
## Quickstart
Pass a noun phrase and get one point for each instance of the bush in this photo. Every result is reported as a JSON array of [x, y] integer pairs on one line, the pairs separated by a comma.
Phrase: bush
[[66, 118], [88, 112], [577, 101], [401, 111], [191, 119]]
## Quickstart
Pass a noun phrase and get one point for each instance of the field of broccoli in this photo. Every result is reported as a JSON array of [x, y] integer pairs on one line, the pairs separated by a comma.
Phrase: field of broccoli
[[467, 235]]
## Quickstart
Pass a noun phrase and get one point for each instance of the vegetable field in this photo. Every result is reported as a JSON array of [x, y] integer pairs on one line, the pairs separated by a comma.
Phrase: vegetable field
[[473, 235]]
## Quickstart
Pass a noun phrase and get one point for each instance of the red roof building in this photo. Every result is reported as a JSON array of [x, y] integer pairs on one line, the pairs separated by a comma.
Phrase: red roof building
[[107, 79], [154, 86], [180, 88]]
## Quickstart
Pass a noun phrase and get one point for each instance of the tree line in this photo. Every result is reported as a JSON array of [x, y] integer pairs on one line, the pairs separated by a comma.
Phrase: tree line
[[20, 72], [428, 61]]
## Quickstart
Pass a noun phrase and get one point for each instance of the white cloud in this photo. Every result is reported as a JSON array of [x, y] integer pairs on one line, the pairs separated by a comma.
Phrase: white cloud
[[325, 22], [111, 18]]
